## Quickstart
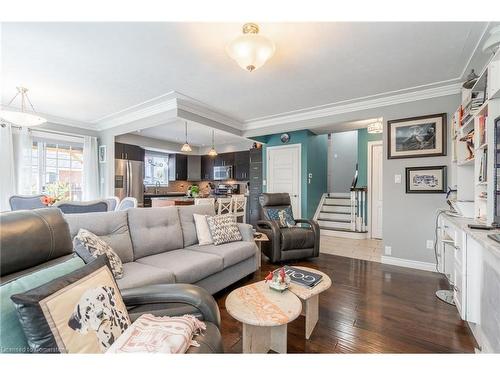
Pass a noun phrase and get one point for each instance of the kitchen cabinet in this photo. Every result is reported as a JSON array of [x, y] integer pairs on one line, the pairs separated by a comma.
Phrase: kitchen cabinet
[[207, 167], [255, 185], [194, 168], [241, 166], [177, 167], [224, 159], [128, 152]]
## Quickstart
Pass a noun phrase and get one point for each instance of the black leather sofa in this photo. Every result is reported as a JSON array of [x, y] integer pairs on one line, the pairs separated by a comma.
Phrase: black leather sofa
[[287, 243], [31, 240]]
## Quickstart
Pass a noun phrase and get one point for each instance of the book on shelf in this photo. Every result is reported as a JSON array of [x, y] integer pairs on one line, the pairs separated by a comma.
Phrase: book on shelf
[[482, 129], [483, 167], [301, 277]]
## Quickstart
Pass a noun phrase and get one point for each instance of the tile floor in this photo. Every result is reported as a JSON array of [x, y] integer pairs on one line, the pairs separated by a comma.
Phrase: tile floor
[[369, 249]]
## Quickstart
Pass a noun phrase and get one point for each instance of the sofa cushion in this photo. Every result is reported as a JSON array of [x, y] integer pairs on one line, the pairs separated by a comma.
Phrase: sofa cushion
[[296, 238], [224, 229], [231, 253], [187, 266], [154, 230], [111, 227], [187, 221], [12, 337], [137, 274], [89, 246]]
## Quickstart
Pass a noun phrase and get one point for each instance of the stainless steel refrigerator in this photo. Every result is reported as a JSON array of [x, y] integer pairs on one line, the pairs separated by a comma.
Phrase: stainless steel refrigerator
[[129, 180]]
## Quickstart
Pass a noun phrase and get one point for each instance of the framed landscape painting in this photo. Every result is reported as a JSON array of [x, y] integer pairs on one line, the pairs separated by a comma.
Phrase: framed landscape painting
[[426, 179], [417, 137]]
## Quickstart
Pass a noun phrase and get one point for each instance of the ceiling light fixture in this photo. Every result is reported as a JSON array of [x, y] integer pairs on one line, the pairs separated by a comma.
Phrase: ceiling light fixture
[[22, 118], [186, 147], [376, 127], [251, 50], [212, 151]]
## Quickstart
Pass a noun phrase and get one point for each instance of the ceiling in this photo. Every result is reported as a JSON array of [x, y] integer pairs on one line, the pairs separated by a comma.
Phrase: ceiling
[[88, 71], [198, 135]]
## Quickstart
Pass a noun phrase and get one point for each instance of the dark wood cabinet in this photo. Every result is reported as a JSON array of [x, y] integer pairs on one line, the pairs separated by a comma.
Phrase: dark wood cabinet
[[207, 167], [255, 185], [224, 159], [241, 166], [128, 152], [177, 167]]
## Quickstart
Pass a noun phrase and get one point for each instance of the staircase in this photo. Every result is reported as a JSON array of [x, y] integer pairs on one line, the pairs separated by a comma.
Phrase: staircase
[[343, 214]]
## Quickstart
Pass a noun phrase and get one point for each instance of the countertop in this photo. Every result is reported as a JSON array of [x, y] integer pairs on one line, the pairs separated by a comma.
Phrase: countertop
[[479, 235]]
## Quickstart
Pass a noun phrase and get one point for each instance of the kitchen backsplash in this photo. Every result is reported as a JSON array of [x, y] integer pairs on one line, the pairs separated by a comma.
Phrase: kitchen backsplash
[[181, 186]]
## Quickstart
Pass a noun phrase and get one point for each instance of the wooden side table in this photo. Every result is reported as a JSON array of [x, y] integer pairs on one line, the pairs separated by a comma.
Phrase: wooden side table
[[265, 314], [259, 241], [310, 298]]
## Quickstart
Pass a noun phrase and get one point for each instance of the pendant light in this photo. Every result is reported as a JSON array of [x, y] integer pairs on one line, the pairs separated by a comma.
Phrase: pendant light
[[186, 147], [22, 118], [212, 151], [250, 50]]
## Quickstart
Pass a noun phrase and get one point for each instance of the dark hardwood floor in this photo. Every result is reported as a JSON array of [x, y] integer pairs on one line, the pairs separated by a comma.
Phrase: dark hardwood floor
[[370, 308]]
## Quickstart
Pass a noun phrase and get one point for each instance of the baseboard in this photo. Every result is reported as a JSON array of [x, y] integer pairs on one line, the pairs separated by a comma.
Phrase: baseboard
[[425, 266], [344, 234]]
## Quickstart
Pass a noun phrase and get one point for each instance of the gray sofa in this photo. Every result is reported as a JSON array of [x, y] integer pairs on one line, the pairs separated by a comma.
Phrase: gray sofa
[[160, 246]]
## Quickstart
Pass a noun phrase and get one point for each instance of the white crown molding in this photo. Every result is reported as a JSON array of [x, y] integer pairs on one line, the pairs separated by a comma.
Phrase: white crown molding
[[353, 106]]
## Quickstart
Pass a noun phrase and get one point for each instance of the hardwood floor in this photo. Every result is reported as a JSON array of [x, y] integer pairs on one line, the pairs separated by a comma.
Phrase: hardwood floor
[[370, 308]]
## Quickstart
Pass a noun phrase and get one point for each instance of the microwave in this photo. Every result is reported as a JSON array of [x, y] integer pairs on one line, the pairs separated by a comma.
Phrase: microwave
[[223, 173]]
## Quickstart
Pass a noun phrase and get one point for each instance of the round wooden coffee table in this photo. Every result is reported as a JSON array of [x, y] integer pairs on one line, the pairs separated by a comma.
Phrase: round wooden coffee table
[[310, 298], [265, 314]]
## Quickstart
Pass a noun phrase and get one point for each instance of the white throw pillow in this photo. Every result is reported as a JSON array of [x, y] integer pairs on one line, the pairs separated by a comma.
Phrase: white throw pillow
[[202, 229]]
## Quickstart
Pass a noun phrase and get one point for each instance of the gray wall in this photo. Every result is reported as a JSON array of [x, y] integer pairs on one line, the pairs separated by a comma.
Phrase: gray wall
[[344, 156]]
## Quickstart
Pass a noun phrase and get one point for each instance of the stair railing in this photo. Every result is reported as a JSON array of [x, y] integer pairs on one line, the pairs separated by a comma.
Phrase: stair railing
[[358, 209]]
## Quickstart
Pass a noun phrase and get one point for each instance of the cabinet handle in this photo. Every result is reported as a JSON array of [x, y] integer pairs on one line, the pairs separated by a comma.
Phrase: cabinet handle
[[126, 155]]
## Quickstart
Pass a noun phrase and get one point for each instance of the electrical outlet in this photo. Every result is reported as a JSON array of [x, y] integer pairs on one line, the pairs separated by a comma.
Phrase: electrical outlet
[[388, 250], [397, 178], [430, 244]]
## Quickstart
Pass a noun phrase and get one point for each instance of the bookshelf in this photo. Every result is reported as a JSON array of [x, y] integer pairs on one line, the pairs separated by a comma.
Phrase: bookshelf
[[473, 143]]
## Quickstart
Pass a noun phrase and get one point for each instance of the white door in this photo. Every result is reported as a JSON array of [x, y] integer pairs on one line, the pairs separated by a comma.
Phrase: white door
[[375, 152], [283, 173]]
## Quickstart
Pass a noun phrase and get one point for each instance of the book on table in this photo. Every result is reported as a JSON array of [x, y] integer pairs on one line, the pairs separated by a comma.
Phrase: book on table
[[302, 277]]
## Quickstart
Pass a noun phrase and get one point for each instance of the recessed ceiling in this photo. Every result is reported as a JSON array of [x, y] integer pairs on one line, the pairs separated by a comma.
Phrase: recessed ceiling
[[86, 71], [198, 135]]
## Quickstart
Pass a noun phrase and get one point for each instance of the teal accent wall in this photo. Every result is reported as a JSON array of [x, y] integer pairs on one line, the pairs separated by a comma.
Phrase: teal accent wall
[[314, 149], [363, 138]]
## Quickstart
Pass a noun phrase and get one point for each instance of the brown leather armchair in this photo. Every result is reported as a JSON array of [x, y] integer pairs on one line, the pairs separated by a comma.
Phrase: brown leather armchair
[[298, 242]]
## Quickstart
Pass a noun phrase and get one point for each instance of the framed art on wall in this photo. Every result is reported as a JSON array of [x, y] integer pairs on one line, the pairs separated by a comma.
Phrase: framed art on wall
[[102, 154], [426, 179], [417, 137]]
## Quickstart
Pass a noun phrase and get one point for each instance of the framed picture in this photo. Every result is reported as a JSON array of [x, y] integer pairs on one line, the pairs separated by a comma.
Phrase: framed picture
[[426, 179], [102, 153], [417, 137]]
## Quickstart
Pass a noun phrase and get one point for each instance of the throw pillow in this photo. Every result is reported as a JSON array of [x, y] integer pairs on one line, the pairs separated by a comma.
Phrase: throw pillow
[[224, 229], [284, 216], [89, 246], [81, 312], [202, 229], [153, 334], [12, 338]]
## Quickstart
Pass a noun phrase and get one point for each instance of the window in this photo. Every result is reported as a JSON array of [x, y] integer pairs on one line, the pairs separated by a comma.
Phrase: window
[[155, 168], [57, 169]]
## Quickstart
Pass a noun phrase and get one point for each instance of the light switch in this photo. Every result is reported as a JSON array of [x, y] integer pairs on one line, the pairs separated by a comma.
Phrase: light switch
[[397, 178]]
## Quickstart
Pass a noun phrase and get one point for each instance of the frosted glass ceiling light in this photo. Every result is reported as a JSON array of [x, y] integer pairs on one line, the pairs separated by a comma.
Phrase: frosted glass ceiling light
[[376, 127], [250, 50], [186, 147], [22, 118]]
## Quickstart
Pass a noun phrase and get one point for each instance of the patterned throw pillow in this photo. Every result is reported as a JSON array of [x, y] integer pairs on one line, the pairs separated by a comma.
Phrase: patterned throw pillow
[[89, 246], [154, 334], [284, 216], [81, 312], [224, 229]]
